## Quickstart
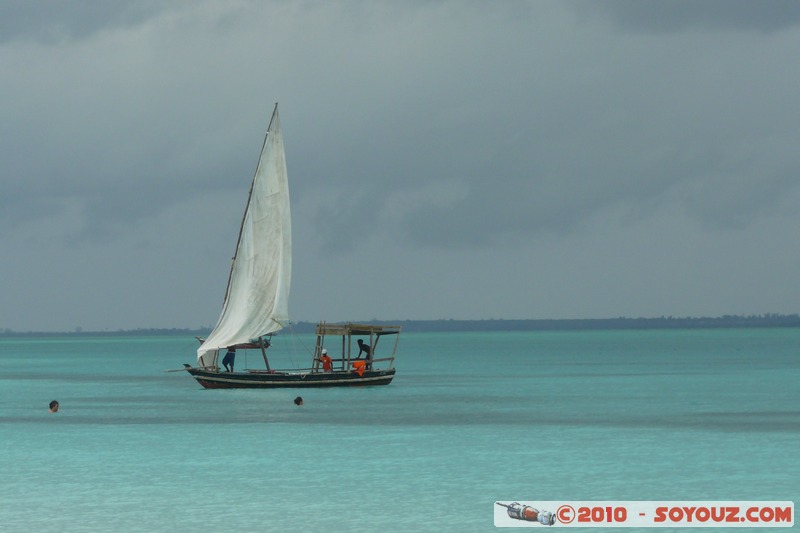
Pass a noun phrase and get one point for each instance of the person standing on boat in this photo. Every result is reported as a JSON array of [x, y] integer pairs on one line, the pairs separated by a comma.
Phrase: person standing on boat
[[229, 358], [362, 347], [327, 362]]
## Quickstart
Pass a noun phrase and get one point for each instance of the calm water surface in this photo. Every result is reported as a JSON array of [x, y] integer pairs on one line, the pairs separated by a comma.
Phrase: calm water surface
[[469, 419]]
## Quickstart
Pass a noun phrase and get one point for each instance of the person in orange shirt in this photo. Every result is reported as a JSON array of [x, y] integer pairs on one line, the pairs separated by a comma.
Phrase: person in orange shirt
[[327, 362]]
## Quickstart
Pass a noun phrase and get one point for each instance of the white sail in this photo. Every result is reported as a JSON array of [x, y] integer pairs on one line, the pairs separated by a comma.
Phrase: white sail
[[257, 299]]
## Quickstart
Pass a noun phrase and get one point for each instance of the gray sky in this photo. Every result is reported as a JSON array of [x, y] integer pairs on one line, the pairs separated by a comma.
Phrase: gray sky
[[447, 159]]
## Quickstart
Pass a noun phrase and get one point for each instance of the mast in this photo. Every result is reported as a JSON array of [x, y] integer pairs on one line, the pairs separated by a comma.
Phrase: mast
[[264, 351], [247, 208], [257, 290]]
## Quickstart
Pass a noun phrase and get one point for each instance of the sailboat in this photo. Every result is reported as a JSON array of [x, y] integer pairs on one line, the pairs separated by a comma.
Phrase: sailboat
[[256, 304]]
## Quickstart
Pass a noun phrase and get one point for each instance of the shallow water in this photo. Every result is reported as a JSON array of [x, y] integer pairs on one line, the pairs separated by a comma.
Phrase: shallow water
[[470, 419]]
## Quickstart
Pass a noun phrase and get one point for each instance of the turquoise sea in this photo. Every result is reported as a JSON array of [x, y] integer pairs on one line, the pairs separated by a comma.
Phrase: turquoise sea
[[470, 419]]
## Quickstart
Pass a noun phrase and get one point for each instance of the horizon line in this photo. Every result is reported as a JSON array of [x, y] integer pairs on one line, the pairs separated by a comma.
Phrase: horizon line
[[763, 320]]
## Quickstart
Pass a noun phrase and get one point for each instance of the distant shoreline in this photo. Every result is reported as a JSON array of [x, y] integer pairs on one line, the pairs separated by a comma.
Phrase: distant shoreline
[[452, 325]]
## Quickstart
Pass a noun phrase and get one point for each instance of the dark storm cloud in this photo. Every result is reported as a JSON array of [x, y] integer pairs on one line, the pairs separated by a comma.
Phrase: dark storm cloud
[[596, 123], [115, 179], [590, 154], [48, 22], [537, 131], [93, 133], [682, 15]]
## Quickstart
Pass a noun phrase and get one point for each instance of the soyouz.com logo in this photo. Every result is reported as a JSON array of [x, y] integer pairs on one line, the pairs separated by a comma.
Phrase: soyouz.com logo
[[726, 514]]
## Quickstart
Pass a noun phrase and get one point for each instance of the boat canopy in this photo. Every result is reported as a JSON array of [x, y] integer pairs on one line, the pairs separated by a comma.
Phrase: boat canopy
[[356, 329], [338, 341], [257, 297]]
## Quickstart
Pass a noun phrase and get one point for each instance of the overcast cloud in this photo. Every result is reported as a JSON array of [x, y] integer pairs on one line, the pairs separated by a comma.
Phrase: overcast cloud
[[447, 159]]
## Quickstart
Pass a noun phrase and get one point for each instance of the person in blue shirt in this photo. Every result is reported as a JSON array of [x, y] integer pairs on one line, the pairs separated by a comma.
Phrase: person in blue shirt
[[227, 361]]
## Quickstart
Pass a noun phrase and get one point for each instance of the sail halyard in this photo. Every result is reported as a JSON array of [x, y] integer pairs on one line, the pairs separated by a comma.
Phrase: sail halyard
[[257, 293]]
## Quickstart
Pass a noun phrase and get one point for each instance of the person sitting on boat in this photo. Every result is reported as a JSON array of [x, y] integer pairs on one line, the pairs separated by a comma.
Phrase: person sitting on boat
[[359, 366], [327, 362], [227, 361]]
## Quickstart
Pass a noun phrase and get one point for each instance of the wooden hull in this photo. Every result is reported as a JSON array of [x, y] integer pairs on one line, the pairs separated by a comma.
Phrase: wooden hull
[[286, 380]]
